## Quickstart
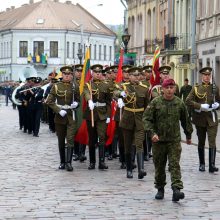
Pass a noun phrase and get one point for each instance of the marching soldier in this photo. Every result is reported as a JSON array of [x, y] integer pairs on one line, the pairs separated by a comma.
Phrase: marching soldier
[[135, 99], [161, 120], [204, 99], [63, 99], [97, 115]]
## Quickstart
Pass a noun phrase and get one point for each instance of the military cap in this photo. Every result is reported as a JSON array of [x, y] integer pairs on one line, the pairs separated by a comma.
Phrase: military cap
[[168, 82], [148, 68], [206, 70], [165, 69], [113, 68], [136, 71], [96, 68], [106, 70], [78, 67], [66, 69], [37, 79], [125, 68]]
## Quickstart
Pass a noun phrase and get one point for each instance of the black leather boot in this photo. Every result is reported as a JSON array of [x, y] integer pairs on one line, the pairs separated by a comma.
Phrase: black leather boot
[[129, 166], [212, 155], [140, 162], [62, 157], [133, 154], [69, 159], [102, 165], [201, 152], [177, 195], [160, 194], [82, 149]]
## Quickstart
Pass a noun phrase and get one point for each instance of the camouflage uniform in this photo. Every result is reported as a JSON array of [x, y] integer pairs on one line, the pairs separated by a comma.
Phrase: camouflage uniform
[[162, 117]]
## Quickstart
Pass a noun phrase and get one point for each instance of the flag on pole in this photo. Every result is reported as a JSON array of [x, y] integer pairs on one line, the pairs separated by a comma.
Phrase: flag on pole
[[119, 76], [82, 134], [155, 77]]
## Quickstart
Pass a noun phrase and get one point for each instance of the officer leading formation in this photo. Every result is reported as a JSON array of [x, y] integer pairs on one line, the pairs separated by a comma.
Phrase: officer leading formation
[[144, 117]]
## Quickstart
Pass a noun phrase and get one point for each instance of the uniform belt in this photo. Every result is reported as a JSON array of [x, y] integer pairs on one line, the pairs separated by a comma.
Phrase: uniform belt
[[64, 107], [134, 109], [99, 104]]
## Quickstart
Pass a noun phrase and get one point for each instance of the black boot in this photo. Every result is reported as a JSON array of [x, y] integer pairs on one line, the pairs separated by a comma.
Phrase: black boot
[[62, 157], [129, 165], [177, 195], [102, 165], [82, 149], [160, 194], [212, 155], [140, 162], [69, 159], [201, 152], [133, 153]]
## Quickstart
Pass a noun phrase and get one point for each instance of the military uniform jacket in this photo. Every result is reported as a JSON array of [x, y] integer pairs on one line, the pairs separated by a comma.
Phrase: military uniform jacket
[[162, 117], [61, 94], [100, 96], [202, 94], [136, 101]]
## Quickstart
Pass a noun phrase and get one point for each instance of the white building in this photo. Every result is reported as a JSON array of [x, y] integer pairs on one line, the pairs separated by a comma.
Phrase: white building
[[54, 30]]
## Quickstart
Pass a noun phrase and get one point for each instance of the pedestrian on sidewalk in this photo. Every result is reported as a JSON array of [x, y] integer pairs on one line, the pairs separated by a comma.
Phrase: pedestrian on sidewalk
[[204, 99], [161, 120]]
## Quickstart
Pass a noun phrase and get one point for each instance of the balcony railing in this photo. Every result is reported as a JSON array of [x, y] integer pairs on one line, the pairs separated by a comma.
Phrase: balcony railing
[[177, 42], [150, 45]]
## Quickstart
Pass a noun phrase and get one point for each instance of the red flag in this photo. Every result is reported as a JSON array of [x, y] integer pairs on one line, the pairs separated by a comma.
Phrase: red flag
[[111, 125], [119, 76], [155, 77]]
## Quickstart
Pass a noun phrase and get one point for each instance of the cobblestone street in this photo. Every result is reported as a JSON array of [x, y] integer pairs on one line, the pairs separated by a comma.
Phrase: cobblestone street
[[32, 187]]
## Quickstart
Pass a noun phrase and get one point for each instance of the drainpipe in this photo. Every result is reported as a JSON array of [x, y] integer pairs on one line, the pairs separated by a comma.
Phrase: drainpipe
[[193, 39]]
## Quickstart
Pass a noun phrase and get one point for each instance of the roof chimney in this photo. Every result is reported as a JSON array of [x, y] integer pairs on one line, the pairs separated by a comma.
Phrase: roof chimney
[[31, 1], [8, 9], [68, 2], [56, 0], [12, 7]]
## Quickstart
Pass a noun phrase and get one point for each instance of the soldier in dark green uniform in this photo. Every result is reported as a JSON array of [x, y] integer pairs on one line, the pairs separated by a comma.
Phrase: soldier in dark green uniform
[[161, 120], [204, 99], [135, 98], [98, 110], [63, 99], [185, 89]]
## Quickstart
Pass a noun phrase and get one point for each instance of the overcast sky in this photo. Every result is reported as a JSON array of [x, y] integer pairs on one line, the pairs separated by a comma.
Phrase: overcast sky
[[112, 11]]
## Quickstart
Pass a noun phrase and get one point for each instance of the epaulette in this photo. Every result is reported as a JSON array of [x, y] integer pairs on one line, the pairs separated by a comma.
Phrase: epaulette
[[126, 83], [141, 84]]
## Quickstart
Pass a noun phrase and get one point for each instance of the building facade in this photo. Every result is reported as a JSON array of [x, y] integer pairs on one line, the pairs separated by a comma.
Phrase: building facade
[[208, 36], [48, 34]]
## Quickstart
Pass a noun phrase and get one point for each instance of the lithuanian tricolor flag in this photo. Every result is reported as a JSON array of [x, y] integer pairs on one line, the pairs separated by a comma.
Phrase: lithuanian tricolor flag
[[82, 133]]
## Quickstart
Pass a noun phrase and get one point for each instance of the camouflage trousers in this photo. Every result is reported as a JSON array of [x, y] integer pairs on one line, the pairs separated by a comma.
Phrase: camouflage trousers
[[162, 152], [211, 133]]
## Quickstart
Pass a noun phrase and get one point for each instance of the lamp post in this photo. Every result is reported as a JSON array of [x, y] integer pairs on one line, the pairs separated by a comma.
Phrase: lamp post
[[125, 39]]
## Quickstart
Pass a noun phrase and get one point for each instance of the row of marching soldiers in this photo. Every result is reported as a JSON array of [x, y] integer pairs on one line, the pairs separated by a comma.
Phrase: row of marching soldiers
[[132, 97]]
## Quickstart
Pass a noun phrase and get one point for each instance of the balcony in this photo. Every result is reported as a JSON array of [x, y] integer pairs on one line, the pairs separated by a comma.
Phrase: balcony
[[150, 45], [176, 44]]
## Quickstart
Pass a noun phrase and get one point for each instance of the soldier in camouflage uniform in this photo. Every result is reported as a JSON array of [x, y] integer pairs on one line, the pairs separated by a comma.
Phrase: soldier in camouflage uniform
[[204, 99], [135, 99], [63, 99], [161, 119], [97, 95]]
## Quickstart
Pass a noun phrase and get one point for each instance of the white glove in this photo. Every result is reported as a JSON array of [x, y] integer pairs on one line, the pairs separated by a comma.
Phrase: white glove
[[91, 105], [215, 105], [123, 94], [120, 103], [107, 120], [74, 105], [62, 113], [204, 107]]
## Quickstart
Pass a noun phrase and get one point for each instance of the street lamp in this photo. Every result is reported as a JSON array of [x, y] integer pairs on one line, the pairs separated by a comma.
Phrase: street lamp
[[125, 39], [80, 54]]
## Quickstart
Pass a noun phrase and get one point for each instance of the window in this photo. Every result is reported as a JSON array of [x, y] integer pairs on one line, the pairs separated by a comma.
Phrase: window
[[110, 53], [100, 52], [67, 49], [74, 50], [104, 52], [53, 48], [23, 49], [38, 48], [95, 52]]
